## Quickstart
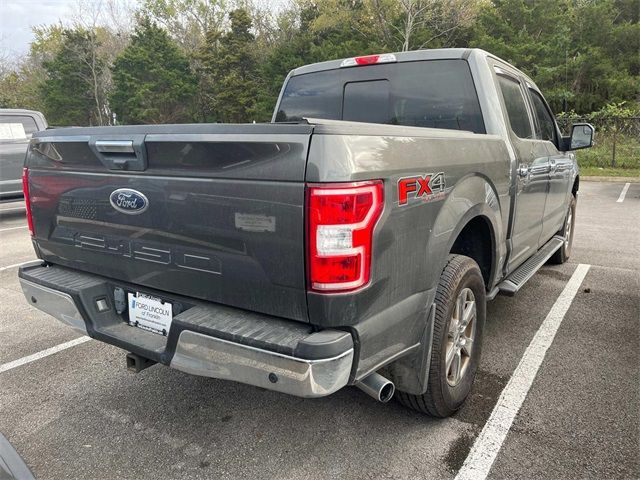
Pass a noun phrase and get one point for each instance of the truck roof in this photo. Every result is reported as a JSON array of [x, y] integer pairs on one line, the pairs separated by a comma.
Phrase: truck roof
[[412, 56], [20, 111], [40, 120]]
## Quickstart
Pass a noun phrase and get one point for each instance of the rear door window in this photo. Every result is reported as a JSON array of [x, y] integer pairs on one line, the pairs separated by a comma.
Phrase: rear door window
[[433, 93], [516, 107]]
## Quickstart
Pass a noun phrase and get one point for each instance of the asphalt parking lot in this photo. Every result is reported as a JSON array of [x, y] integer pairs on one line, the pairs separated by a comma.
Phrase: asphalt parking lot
[[78, 413]]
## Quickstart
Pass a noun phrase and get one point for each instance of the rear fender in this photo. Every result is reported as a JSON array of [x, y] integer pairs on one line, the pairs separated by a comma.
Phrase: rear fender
[[472, 197]]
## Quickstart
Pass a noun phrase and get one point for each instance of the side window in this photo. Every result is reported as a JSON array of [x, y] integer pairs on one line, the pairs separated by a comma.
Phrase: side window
[[17, 127], [516, 107], [546, 125]]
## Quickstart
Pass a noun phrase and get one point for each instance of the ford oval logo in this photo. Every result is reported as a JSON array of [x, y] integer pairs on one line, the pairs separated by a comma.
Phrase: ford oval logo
[[128, 201]]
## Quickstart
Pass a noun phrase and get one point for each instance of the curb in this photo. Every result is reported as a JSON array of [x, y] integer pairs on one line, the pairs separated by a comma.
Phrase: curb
[[610, 179]]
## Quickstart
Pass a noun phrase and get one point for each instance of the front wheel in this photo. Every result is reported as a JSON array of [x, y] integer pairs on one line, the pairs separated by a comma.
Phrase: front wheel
[[564, 252], [457, 339]]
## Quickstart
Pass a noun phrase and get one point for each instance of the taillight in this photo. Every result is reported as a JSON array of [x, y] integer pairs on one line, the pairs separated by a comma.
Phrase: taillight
[[341, 218], [368, 60], [27, 199]]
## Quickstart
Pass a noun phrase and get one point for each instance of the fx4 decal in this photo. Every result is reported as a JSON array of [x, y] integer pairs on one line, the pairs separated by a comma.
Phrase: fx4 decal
[[426, 187]]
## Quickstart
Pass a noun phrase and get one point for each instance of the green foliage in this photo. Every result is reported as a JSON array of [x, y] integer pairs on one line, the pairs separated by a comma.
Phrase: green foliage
[[582, 55], [69, 94], [601, 155], [228, 72], [589, 171], [186, 21], [317, 32], [10, 91], [617, 139], [20, 85], [152, 79]]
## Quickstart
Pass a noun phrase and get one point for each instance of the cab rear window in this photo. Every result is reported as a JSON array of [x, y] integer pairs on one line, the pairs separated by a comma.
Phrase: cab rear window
[[432, 93]]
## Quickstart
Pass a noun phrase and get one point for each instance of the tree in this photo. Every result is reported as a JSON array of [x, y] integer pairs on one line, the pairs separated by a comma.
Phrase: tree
[[340, 28], [229, 71], [21, 79], [110, 23], [582, 54], [187, 21], [314, 32], [69, 93], [414, 24], [152, 79]]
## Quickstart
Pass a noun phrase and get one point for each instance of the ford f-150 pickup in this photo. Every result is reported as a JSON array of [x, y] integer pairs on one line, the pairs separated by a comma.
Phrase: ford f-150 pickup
[[354, 240]]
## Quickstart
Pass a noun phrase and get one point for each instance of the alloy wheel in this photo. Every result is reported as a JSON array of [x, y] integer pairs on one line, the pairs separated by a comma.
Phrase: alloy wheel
[[460, 337]]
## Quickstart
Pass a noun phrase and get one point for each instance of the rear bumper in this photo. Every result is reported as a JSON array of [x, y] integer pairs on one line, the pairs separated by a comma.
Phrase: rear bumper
[[205, 339], [208, 356]]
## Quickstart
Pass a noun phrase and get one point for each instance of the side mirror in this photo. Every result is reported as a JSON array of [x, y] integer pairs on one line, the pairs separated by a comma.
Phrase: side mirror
[[581, 137]]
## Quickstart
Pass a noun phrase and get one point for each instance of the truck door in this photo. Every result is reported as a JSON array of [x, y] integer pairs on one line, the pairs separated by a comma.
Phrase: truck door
[[531, 172], [560, 167]]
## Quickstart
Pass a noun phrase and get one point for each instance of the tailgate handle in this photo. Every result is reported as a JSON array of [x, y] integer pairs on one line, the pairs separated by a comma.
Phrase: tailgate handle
[[114, 146], [121, 154]]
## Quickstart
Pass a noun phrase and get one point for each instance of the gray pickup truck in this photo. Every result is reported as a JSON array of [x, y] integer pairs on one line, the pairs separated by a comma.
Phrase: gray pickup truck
[[16, 129], [354, 240]]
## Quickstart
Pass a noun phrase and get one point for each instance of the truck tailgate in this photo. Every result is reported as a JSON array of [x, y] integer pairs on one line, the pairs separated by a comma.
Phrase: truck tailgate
[[222, 221]]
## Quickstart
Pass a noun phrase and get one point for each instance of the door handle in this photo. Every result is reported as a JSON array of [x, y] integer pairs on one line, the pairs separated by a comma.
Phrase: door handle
[[114, 146], [540, 169], [127, 153]]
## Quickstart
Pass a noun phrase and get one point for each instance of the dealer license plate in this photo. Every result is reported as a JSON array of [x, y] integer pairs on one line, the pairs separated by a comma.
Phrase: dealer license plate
[[150, 313]]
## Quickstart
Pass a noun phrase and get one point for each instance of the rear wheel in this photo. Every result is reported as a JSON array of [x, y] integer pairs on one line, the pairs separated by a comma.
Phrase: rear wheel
[[457, 339], [564, 252]]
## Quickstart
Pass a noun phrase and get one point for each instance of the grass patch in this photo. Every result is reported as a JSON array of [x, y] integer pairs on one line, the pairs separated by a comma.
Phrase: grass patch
[[598, 160], [627, 153], [609, 172]]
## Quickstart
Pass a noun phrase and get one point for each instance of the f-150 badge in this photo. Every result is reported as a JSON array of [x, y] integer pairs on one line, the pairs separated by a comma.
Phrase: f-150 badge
[[425, 187], [128, 201]]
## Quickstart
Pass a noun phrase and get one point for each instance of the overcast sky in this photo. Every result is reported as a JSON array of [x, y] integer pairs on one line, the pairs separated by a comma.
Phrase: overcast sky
[[18, 16]]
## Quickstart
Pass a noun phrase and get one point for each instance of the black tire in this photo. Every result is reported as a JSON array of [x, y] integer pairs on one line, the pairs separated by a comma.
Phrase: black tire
[[441, 398], [564, 252]]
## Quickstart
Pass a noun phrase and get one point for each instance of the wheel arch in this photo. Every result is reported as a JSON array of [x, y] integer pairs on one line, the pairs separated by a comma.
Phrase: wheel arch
[[472, 210], [477, 240]]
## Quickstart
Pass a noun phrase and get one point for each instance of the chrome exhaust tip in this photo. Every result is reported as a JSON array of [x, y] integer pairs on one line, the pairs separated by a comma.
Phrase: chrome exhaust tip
[[378, 387]]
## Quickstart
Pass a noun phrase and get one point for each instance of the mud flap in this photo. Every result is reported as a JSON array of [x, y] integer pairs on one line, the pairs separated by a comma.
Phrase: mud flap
[[410, 373]]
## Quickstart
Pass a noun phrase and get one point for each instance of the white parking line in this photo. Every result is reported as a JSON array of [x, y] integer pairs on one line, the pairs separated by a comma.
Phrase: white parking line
[[12, 228], [623, 193], [44, 353], [2, 269], [488, 444]]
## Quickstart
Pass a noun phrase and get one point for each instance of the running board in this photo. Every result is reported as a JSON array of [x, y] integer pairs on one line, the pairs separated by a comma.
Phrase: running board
[[524, 272]]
